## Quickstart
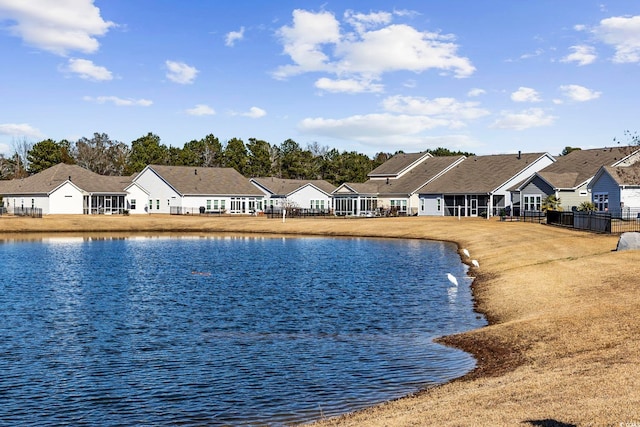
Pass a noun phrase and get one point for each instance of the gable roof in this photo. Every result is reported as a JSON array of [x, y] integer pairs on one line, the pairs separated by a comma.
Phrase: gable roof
[[283, 187], [398, 164], [419, 175], [188, 180], [370, 187], [481, 174], [579, 166], [49, 179], [624, 175], [429, 169]]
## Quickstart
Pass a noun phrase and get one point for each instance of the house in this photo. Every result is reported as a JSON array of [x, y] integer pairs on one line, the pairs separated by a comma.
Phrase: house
[[306, 194], [616, 189], [66, 189], [568, 178], [392, 186], [186, 189], [479, 185]]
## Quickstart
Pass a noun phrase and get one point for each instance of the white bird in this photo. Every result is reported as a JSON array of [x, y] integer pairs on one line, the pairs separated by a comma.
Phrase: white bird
[[466, 253], [475, 263], [452, 279]]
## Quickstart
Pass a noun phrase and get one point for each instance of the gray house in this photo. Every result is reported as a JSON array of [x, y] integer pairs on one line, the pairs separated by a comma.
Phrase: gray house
[[393, 186], [568, 178], [479, 185], [616, 189]]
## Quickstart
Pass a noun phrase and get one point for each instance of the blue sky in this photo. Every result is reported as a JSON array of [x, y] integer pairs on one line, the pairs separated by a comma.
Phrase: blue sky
[[489, 77]]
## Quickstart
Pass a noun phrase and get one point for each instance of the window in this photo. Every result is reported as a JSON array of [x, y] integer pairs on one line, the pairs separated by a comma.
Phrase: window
[[208, 205], [317, 204], [532, 203], [215, 205], [222, 204], [439, 203], [133, 204], [399, 205], [601, 200], [150, 204], [158, 204]]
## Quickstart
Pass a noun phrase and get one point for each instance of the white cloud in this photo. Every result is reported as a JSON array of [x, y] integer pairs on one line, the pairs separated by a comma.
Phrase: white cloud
[[444, 108], [255, 113], [579, 93], [525, 94], [20, 130], [361, 21], [119, 102], [201, 110], [476, 92], [533, 117], [623, 34], [179, 72], [233, 36], [363, 127], [303, 41], [347, 85], [315, 43], [88, 70], [56, 26], [385, 131], [582, 55]]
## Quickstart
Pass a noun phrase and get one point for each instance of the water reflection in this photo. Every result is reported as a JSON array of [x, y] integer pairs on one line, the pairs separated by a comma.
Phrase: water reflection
[[115, 330]]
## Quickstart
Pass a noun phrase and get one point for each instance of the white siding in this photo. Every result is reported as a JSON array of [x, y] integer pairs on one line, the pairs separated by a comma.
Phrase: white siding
[[161, 195], [141, 200], [66, 199], [631, 197], [302, 197]]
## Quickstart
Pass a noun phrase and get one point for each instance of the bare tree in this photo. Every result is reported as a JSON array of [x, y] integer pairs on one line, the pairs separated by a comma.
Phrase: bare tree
[[21, 147]]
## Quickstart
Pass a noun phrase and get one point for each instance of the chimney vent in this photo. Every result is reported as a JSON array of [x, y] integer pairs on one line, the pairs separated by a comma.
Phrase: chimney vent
[[519, 155], [69, 177]]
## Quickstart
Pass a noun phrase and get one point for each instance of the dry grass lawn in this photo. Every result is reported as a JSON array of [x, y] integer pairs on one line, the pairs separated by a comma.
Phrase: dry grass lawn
[[562, 347]]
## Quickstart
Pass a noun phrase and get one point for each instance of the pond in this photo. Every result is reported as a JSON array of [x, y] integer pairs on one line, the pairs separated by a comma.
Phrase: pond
[[223, 330]]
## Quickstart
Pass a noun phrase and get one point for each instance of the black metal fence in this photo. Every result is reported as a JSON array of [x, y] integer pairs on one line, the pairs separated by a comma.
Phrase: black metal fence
[[298, 213], [614, 222], [179, 210], [32, 212]]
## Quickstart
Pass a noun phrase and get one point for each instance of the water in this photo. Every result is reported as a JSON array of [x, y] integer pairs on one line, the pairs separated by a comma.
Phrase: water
[[221, 330]]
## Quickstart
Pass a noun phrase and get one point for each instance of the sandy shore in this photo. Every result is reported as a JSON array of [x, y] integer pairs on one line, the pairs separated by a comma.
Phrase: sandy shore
[[562, 347]]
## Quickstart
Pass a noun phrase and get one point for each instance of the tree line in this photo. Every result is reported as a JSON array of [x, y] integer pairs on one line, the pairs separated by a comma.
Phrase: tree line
[[255, 158]]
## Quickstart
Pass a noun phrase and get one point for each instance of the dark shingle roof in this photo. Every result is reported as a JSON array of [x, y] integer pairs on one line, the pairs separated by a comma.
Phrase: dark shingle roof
[[418, 176], [480, 174], [397, 164], [210, 181], [283, 187], [49, 179], [577, 167], [627, 175]]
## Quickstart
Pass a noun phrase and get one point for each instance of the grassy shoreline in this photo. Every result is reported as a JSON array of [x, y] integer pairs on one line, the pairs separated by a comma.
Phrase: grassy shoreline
[[562, 305]]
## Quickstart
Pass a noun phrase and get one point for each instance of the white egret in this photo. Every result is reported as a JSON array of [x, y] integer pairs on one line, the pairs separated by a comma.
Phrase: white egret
[[466, 253], [475, 263], [452, 279]]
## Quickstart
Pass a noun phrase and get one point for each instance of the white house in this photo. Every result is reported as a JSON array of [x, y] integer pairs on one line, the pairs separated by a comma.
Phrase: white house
[[187, 189], [305, 194], [66, 189]]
